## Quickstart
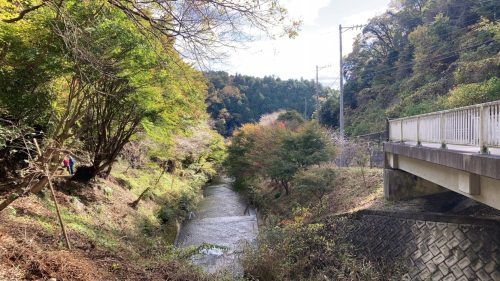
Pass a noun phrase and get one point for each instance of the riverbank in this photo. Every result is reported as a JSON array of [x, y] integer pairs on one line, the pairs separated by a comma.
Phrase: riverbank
[[351, 189], [110, 240], [300, 237]]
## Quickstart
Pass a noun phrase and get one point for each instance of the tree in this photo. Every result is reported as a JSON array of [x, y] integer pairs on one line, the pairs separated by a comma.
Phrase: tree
[[296, 150], [316, 180], [202, 28], [97, 77], [275, 152], [235, 100], [291, 118], [329, 112], [410, 59]]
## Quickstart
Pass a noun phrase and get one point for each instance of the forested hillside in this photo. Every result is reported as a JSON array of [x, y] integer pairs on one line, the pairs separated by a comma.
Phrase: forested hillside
[[104, 120], [422, 56], [237, 99]]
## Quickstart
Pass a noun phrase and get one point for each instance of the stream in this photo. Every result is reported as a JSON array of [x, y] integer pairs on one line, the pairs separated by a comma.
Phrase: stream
[[222, 219]]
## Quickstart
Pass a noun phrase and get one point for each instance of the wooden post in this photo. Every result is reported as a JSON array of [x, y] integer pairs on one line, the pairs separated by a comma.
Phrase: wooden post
[[47, 171], [49, 180]]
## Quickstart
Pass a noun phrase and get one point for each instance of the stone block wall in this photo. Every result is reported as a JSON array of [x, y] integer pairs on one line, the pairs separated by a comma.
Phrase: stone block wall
[[432, 247]]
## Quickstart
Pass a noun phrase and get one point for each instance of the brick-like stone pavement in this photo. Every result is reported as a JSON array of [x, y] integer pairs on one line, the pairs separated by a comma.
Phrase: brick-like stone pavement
[[431, 249]]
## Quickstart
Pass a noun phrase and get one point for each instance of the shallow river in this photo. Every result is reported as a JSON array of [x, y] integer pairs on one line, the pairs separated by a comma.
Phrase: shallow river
[[222, 219]]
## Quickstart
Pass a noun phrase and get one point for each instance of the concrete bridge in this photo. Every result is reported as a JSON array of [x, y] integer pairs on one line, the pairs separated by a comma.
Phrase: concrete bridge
[[456, 150]]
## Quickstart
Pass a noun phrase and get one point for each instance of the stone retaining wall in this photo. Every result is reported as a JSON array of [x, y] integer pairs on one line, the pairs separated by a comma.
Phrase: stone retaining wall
[[432, 247]]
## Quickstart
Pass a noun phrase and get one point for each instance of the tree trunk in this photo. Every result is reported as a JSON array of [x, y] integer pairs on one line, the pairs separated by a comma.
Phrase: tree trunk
[[108, 172], [34, 189], [285, 185], [135, 204]]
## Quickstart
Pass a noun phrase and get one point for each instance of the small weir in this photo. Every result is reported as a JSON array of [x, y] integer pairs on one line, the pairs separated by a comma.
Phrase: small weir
[[222, 219]]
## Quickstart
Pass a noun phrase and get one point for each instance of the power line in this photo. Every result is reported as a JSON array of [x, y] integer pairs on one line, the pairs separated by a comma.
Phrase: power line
[[435, 58], [449, 33]]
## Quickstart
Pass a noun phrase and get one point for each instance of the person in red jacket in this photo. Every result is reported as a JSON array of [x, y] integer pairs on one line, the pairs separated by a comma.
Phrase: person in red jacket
[[66, 164]]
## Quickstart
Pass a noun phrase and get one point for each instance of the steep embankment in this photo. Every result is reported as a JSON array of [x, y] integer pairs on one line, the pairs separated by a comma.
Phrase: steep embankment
[[110, 240], [352, 233], [422, 56], [352, 189]]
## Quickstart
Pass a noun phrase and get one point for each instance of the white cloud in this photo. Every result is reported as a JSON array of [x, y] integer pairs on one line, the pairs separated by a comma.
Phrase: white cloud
[[362, 17], [305, 10], [297, 58]]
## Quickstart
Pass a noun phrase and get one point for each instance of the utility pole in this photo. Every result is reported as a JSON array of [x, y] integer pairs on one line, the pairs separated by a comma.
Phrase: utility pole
[[341, 84], [317, 94], [305, 108], [318, 68], [341, 87]]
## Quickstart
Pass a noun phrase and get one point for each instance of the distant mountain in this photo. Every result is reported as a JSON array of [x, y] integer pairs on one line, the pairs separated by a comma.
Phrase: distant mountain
[[237, 99]]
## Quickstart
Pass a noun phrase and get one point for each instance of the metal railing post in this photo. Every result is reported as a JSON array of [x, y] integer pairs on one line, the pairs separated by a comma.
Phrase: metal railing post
[[482, 146], [401, 131], [418, 131], [442, 130]]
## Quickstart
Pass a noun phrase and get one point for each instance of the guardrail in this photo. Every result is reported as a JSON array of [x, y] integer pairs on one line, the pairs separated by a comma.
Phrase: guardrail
[[477, 125]]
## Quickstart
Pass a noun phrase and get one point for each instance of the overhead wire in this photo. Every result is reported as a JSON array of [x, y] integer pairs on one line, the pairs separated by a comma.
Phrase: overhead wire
[[434, 58]]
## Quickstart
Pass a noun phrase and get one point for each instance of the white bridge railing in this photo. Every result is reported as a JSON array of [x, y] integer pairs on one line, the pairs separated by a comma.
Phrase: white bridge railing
[[476, 125]]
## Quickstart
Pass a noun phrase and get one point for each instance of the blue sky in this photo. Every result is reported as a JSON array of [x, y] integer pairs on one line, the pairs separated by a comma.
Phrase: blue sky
[[317, 43]]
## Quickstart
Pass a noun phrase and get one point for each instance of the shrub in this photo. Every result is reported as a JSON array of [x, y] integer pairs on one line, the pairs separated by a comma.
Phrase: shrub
[[165, 215], [108, 191], [276, 152], [291, 118], [316, 180], [299, 250], [473, 93]]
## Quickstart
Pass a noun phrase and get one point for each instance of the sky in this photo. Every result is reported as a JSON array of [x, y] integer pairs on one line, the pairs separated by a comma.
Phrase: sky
[[317, 43]]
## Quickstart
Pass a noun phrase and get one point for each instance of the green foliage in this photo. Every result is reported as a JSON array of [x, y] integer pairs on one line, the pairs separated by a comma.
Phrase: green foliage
[[165, 215], [299, 249], [417, 58], [30, 55], [473, 93], [275, 151], [107, 191], [291, 117], [239, 99], [87, 76], [329, 112], [316, 180], [296, 150]]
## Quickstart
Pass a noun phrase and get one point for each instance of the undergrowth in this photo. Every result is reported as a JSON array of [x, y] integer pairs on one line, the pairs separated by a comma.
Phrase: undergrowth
[[110, 239], [300, 238]]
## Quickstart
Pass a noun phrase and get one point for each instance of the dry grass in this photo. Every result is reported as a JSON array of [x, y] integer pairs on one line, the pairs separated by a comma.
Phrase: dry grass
[[351, 193], [111, 241], [301, 239], [348, 192]]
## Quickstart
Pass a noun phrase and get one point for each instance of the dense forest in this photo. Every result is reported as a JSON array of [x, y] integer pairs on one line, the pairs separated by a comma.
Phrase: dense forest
[[237, 99], [422, 56]]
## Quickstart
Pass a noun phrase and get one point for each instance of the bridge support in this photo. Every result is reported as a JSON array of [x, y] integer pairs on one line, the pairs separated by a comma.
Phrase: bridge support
[[412, 171], [399, 185]]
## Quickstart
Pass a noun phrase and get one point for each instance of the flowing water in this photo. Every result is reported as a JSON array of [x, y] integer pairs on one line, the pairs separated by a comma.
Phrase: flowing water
[[223, 219]]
